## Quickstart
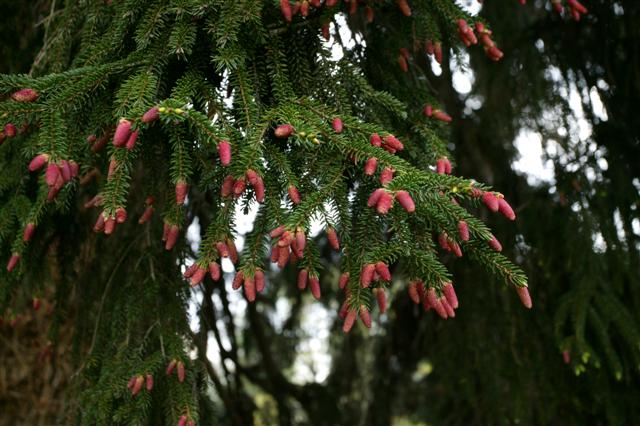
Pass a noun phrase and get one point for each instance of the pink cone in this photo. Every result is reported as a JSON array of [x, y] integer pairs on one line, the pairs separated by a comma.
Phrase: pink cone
[[384, 203], [181, 192], [450, 294], [525, 297], [365, 316], [122, 133], [284, 130], [314, 285], [491, 201], [38, 162], [25, 95], [405, 201], [337, 125], [463, 230], [294, 195], [366, 276], [370, 166], [349, 320], [13, 261], [505, 209], [224, 151], [332, 236], [151, 115]]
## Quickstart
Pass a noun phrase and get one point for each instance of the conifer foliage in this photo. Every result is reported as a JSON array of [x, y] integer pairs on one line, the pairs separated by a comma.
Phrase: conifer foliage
[[141, 117]]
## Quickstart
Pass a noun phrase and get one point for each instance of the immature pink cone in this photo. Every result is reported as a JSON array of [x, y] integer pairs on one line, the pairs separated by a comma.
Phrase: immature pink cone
[[314, 285], [275, 233], [99, 225], [137, 385], [337, 125], [182, 421], [405, 201], [370, 166], [440, 166], [344, 280], [28, 232], [152, 114], [131, 142], [375, 140], [566, 357], [325, 31], [113, 165], [369, 14], [349, 320], [237, 280], [435, 303], [283, 256], [222, 248], [402, 62], [455, 248], [525, 298], [198, 276], [393, 142], [190, 270], [332, 236], [172, 237], [285, 7], [495, 244], [109, 225], [181, 192], [344, 309], [447, 307], [36, 303], [463, 230], [149, 382], [331, 3], [441, 116], [404, 7], [450, 294], [239, 186], [232, 249], [365, 316], [375, 197], [491, 201], [284, 131], [384, 203], [38, 162], [285, 239], [214, 271], [171, 366], [122, 133], [381, 298], [24, 95], [51, 174], [383, 270], [227, 186], [9, 130], [294, 195], [413, 292], [146, 215], [303, 276], [224, 151], [366, 276], [301, 239], [121, 215], [258, 276], [386, 175], [258, 184], [250, 289], [65, 170], [181, 372], [505, 209], [13, 261]]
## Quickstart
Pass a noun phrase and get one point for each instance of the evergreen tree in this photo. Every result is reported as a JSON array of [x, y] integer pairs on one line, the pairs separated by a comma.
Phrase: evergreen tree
[[240, 104]]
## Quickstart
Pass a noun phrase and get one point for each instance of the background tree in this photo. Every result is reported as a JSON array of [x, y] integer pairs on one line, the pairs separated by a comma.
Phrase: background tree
[[493, 363]]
